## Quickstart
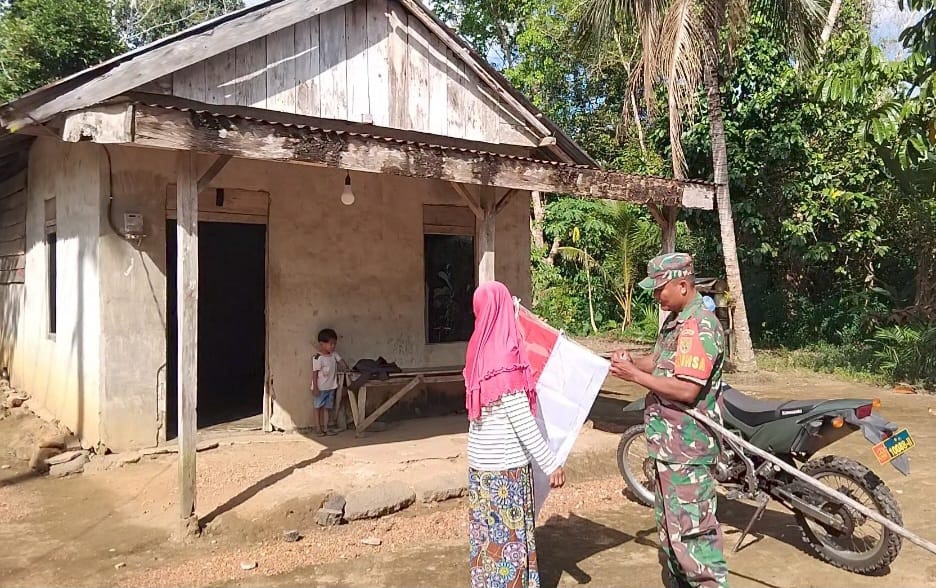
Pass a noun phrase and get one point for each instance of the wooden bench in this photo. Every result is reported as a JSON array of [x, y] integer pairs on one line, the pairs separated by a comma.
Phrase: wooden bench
[[409, 379]]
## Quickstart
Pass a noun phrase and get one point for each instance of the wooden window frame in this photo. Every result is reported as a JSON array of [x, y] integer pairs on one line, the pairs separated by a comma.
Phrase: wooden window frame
[[51, 254]]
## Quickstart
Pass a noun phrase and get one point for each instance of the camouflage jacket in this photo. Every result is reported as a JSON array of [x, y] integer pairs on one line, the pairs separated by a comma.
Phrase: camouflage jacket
[[690, 347]]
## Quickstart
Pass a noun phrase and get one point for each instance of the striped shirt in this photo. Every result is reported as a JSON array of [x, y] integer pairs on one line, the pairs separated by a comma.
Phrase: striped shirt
[[506, 437]]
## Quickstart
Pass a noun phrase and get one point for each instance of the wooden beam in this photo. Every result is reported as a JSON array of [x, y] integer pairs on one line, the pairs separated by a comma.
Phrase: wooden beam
[[178, 130], [107, 123], [213, 171], [187, 302], [141, 67], [317, 122], [469, 199], [656, 214], [504, 200], [486, 234]]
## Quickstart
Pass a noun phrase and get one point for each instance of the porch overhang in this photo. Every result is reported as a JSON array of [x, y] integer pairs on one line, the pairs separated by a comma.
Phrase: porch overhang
[[182, 125]]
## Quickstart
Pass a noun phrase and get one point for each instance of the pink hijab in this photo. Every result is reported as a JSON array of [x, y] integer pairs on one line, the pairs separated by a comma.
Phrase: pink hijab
[[495, 363]]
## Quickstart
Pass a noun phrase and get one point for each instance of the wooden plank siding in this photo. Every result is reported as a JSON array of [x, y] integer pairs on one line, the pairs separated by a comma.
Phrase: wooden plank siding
[[368, 61], [13, 229]]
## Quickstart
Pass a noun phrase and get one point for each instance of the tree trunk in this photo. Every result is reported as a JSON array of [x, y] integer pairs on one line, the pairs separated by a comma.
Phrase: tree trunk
[[744, 359], [591, 300], [925, 278], [668, 240], [834, 8], [538, 220], [538, 230]]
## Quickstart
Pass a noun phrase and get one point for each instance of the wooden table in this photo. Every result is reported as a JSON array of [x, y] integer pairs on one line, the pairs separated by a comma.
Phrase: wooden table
[[410, 379]]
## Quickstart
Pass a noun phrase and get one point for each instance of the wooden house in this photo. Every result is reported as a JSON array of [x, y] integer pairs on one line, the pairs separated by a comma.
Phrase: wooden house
[[172, 225]]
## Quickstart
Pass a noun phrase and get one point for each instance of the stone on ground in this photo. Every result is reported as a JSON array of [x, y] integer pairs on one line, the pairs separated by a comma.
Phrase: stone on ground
[[291, 536], [371, 503], [328, 517], [335, 502], [75, 466], [65, 457], [372, 541], [445, 487]]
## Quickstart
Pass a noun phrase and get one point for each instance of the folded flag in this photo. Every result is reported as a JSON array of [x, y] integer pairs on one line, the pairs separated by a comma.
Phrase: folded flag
[[567, 377]]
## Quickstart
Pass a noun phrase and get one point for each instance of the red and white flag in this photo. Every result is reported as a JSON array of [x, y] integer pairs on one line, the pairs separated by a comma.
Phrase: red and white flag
[[567, 377]]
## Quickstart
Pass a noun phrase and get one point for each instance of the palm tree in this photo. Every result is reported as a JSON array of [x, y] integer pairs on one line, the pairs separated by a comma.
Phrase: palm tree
[[681, 46], [634, 239]]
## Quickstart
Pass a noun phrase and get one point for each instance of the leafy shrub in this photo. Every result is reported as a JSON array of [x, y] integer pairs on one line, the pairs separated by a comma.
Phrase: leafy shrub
[[906, 354]]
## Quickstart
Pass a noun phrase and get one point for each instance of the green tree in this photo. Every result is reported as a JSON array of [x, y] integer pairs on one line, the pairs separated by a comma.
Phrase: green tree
[[818, 216], [634, 238], [682, 47], [44, 40], [143, 21], [902, 129]]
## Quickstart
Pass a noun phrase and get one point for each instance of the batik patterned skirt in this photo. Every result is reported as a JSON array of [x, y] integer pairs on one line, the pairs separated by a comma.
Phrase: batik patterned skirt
[[503, 550]]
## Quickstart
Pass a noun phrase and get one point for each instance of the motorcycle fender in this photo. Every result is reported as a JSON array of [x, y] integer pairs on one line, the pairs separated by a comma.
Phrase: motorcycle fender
[[874, 428]]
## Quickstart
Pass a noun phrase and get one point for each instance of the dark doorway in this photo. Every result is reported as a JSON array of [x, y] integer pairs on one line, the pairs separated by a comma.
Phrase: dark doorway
[[231, 323]]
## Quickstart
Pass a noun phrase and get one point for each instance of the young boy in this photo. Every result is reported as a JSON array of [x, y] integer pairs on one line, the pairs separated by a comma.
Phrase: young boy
[[325, 365]]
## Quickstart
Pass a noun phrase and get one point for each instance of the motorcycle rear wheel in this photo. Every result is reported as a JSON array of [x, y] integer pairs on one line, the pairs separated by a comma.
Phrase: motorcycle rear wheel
[[850, 552], [635, 464]]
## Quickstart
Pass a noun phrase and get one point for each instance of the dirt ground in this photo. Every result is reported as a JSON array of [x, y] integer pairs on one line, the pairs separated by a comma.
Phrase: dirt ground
[[115, 528]]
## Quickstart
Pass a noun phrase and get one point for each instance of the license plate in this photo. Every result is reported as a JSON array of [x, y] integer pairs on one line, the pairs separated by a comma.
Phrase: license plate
[[893, 447]]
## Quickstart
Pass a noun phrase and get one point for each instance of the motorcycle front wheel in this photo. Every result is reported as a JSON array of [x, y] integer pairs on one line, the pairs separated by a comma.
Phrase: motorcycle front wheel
[[866, 547], [635, 465]]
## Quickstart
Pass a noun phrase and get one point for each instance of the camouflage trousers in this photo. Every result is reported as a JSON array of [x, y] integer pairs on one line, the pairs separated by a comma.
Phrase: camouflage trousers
[[690, 536]]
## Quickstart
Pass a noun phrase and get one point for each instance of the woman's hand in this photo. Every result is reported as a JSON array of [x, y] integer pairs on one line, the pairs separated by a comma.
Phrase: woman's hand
[[557, 478]]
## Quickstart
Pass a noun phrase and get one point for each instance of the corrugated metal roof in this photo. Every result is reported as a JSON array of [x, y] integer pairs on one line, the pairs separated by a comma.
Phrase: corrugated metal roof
[[383, 134]]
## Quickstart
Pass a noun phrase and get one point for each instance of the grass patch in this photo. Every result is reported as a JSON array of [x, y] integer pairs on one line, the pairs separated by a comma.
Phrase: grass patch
[[821, 359]]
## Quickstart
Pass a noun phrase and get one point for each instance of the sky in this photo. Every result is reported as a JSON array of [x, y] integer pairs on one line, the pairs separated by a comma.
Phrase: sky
[[887, 22]]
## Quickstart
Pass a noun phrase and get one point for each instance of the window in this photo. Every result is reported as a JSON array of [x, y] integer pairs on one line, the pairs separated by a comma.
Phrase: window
[[51, 264], [449, 272]]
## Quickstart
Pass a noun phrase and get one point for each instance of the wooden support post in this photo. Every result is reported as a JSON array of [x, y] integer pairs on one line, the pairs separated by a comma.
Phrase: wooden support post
[[504, 200], [187, 302], [213, 171], [468, 198], [486, 231]]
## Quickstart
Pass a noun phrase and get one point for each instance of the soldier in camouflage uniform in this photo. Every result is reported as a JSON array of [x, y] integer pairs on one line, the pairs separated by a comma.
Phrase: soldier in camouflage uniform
[[685, 368]]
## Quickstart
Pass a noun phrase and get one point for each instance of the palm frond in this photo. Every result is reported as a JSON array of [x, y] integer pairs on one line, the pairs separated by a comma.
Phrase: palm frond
[[737, 19], [579, 256], [797, 24], [598, 19], [680, 51]]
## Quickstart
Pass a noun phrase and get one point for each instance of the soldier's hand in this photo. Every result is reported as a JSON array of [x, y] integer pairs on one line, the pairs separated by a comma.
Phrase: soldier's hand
[[621, 355], [557, 478], [626, 370]]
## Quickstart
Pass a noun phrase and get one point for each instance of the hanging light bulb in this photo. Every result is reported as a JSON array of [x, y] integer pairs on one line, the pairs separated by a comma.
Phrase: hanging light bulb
[[347, 195]]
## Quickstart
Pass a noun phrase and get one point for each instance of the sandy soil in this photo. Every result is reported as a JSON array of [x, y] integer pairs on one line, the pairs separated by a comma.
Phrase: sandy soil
[[115, 527]]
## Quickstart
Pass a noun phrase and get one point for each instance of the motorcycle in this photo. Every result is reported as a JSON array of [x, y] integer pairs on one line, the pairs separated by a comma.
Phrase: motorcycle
[[795, 431]]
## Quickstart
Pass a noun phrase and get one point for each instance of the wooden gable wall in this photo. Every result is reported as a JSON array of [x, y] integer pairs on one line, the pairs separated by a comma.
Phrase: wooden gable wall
[[368, 61]]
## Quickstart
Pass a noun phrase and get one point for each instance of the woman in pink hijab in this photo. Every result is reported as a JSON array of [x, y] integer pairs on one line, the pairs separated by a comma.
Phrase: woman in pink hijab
[[503, 440]]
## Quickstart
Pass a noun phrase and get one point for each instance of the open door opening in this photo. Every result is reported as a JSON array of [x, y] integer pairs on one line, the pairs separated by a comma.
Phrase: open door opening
[[231, 326]]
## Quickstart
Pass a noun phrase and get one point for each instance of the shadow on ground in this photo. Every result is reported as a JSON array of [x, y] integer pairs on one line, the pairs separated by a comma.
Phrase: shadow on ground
[[564, 542]]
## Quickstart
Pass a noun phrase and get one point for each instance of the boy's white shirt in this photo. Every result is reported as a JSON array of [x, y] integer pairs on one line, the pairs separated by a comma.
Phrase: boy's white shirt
[[326, 369]]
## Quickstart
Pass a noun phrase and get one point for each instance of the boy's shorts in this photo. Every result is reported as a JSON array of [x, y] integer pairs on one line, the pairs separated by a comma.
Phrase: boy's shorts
[[325, 399]]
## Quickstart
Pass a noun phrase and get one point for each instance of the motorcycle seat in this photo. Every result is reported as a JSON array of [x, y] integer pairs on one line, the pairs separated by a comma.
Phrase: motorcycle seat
[[754, 412]]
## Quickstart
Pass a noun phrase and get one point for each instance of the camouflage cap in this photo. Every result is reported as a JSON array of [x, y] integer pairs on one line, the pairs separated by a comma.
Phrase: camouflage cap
[[664, 268]]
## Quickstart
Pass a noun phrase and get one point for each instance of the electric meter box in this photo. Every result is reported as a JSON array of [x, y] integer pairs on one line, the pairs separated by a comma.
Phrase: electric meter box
[[133, 223]]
